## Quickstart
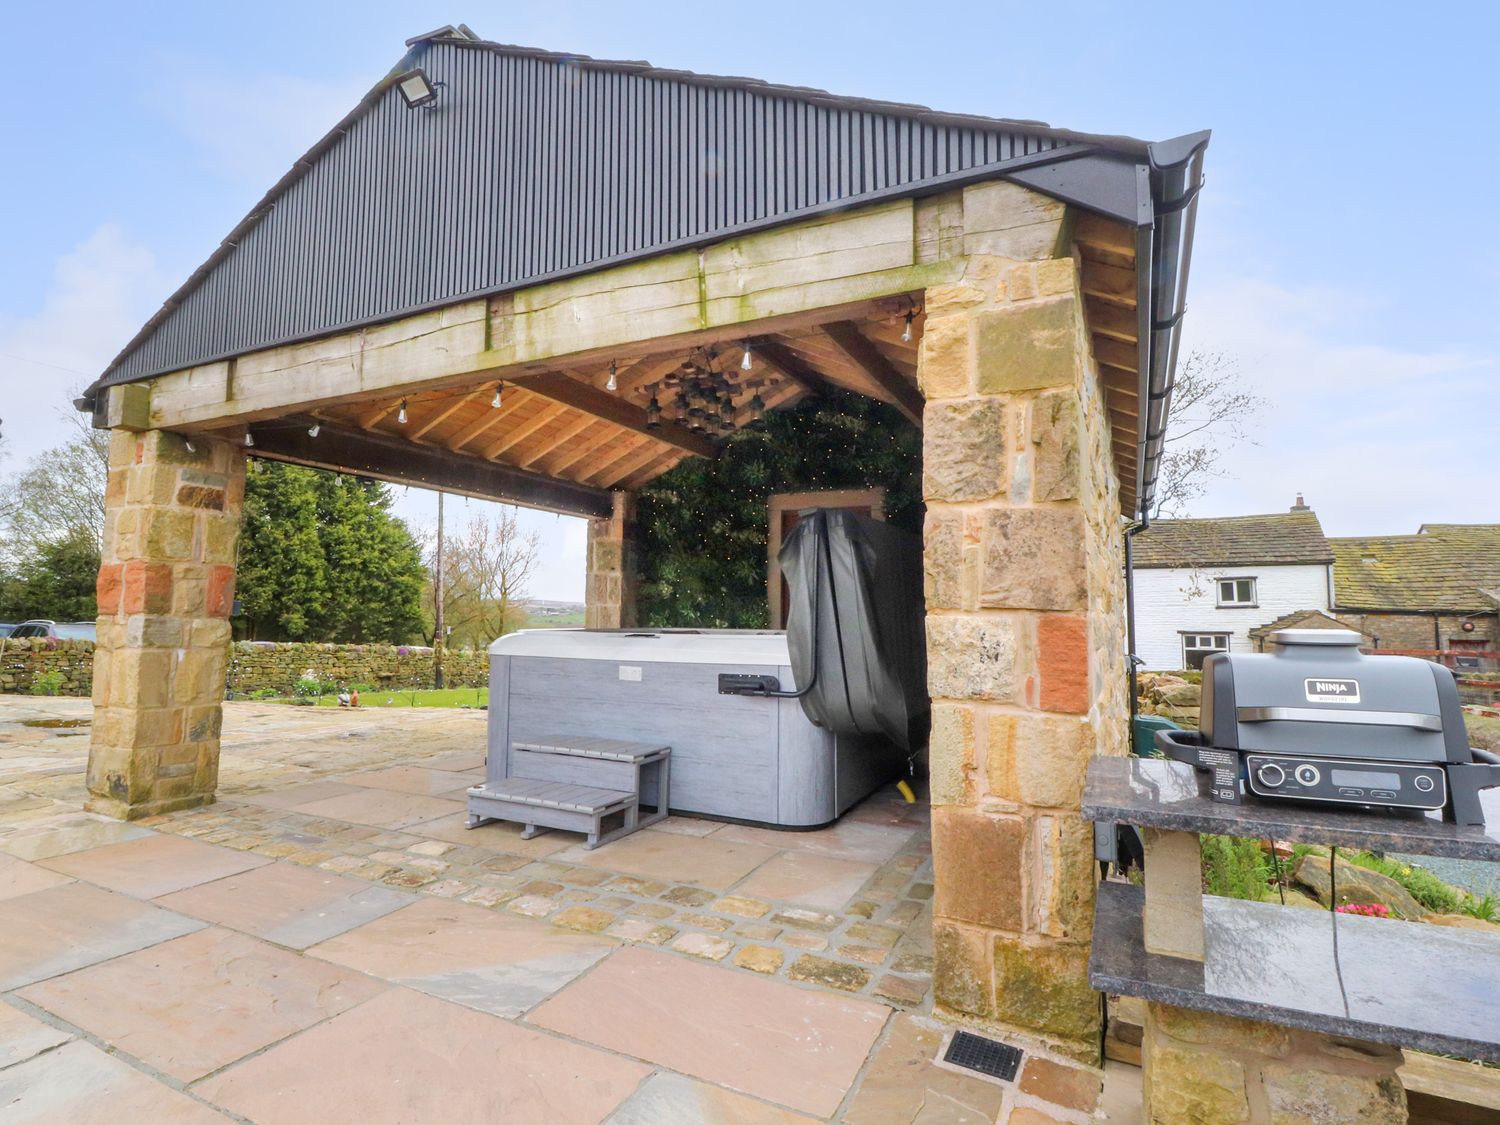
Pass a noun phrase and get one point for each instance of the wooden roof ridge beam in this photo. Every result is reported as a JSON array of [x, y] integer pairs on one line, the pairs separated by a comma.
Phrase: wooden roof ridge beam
[[611, 408], [857, 346]]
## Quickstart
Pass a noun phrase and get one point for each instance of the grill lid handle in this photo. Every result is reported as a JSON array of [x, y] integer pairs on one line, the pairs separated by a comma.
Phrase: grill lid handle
[[1410, 719]]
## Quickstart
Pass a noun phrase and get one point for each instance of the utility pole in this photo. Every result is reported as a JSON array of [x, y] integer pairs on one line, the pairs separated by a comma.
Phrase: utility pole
[[438, 639]]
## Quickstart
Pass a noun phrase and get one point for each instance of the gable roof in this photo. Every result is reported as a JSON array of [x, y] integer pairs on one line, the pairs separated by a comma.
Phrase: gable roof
[[536, 165], [1280, 539], [1445, 566]]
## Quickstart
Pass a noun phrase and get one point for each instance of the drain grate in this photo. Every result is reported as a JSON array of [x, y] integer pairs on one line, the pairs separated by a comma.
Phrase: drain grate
[[975, 1052]]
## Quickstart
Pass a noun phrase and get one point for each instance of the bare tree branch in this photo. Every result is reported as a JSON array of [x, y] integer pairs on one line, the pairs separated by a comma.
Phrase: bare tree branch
[[1211, 413]]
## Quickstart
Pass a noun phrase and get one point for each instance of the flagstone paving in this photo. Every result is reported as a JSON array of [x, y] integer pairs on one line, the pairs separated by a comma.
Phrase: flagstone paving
[[330, 942]]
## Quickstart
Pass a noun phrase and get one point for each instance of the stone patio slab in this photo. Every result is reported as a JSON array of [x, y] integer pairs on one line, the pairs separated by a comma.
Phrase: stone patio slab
[[455, 763], [500, 836], [848, 839], [807, 880], [22, 1037], [798, 1048], [410, 779], [291, 796], [287, 904], [671, 1099], [17, 877], [80, 1084], [497, 963], [379, 808], [70, 832], [902, 1082], [55, 931], [190, 1006], [407, 1058], [668, 857], [154, 865]]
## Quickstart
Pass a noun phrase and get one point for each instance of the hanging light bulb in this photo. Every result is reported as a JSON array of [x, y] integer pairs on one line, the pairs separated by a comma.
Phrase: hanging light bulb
[[401, 414], [906, 332], [249, 439], [312, 431], [614, 378], [745, 364], [653, 413], [495, 402], [191, 448], [757, 405]]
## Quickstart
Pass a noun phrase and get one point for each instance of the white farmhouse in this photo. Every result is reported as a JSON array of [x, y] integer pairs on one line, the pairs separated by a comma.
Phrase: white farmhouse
[[1204, 586]]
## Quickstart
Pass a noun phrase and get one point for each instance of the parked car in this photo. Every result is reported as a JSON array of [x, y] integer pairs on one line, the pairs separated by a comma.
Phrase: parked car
[[5, 629], [61, 630]]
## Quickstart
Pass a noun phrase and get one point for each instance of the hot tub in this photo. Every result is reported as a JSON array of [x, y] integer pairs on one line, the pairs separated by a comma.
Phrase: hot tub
[[734, 757]]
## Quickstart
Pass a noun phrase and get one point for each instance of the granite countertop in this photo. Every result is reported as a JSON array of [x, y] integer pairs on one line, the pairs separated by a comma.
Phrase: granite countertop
[[1157, 793], [1406, 984]]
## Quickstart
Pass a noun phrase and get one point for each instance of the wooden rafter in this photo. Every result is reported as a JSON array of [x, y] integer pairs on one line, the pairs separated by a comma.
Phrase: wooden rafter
[[510, 403], [873, 362], [790, 364], [457, 404], [601, 404], [568, 433], [546, 414]]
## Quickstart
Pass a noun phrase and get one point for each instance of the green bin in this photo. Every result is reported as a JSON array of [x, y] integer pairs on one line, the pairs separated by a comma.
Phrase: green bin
[[1143, 744]]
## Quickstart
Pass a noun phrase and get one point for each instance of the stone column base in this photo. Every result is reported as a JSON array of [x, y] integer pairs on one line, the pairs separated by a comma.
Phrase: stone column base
[[124, 810], [1217, 1070]]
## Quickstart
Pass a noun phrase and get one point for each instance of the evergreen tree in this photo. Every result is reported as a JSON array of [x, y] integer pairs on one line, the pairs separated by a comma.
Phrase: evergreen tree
[[322, 559], [55, 582]]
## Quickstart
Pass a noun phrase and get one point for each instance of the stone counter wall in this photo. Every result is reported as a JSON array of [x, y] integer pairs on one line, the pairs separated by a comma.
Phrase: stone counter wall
[[252, 667]]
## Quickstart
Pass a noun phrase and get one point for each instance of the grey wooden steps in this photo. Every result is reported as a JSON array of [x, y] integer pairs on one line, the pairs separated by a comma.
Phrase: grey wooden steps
[[576, 783]]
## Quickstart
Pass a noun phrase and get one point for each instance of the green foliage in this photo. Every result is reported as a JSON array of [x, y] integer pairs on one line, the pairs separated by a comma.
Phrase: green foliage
[[55, 582], [1235, 868], [47, 683], [322, 559], [309, 687], [1436, 895], [264, 693], [703, 527]]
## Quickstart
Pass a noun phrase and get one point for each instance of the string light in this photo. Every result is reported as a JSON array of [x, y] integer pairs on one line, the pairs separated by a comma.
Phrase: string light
[[906, 332], [312, 431], [495, 402], [614, 378], [653, 413], [401, 414], [745, 364], [191, 448], [249, 439]]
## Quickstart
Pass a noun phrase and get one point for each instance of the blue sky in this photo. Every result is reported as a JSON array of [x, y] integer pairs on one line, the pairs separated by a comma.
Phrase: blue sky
[[1347, 242]]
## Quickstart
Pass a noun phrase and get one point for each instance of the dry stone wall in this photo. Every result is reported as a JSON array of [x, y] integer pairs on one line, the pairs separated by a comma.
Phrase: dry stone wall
[[25, 666]]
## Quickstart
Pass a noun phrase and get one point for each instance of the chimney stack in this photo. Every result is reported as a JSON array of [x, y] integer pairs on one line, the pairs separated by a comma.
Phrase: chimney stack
[[1300, 505]]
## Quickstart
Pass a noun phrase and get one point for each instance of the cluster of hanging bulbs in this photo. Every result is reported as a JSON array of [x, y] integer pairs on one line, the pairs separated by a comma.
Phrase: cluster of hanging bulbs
[[702, 397]]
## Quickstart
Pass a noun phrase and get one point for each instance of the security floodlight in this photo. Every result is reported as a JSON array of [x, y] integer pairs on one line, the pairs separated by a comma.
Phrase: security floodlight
[[417, 89]]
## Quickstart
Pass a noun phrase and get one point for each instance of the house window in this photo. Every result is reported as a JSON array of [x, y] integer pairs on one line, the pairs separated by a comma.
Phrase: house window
[[1195, 646], [1236, 592]]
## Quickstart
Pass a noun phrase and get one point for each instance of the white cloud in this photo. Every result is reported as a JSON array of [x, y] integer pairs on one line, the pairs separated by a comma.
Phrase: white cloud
[[1379, 438], [101, 293]]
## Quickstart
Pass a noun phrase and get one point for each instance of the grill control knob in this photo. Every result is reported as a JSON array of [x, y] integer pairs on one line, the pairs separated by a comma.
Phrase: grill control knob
[[1308, 775], [1423, 783], [1270, 775]]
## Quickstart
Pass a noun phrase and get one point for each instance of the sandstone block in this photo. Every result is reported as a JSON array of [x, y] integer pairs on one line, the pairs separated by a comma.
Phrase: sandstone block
[[971, 658], [168, 534], [831, 974], [108, 588], [950, 754], [1045, 988], [1027, 346], [1063, 662], [1186, 1085], [962, 979], [1032, 558], [1038, 759], [1071, 1087], [977, 861], [1300, 1096], [1205, 1029], [1056, 433], [1056, 276], [945, 364], [943, 558], [1020, 282], [963, 450], [147, 588], [219, 595]]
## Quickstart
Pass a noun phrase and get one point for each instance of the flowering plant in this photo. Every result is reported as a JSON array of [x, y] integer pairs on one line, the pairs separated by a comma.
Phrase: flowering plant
[[1366, 909]]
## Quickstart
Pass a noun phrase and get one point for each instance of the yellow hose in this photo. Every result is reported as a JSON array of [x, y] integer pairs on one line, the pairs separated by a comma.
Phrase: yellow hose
[[905, 791]]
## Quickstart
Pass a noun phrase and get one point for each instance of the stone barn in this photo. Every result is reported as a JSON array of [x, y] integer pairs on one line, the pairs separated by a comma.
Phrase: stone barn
[[481, 281]]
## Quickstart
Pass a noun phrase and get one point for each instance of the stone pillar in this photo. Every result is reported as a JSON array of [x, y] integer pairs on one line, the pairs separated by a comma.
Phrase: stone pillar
[[1025, 625], [166, 588], [609, 594], [1218, 1070]]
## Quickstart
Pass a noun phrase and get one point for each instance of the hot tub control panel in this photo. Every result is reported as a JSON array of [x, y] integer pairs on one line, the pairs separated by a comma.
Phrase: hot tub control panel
[[1397, 784]]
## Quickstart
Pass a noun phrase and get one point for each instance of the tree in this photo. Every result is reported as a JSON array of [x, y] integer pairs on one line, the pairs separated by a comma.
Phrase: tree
[[486, 568], [1210, 413], [322, 559], [56, 581], [60, 493]]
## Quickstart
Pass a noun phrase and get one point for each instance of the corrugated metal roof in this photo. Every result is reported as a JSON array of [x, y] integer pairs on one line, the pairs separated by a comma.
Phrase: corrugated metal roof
[[537, 165], [1278, 539]]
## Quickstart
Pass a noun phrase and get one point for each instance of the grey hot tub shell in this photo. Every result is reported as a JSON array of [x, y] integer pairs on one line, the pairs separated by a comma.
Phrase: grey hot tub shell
[[735, 757]]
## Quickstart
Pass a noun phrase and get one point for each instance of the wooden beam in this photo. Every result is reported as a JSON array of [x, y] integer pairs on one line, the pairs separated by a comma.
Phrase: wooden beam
[[582, 451], [388, 458], [624, 465], [790, 364], [611, 457], [369, 418], [1105, 282], [569, 432], [447, 412], [601, 404], [872, 360], [509, 404], [1117, 354], [546, 414], [1095, 230], [1111, 320]]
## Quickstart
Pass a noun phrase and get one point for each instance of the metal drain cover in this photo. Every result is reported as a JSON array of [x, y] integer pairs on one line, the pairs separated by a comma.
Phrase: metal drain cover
[[975, 1052]]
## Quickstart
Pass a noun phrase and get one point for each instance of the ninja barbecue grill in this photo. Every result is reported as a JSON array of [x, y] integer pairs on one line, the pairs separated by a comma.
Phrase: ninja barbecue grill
[[1315, 719]]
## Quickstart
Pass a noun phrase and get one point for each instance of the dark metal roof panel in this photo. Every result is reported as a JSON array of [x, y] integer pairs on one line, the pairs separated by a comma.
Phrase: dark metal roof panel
[[534, 166]]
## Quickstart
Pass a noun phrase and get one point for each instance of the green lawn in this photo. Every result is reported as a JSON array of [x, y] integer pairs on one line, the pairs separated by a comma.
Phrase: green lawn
[[395, 697]]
